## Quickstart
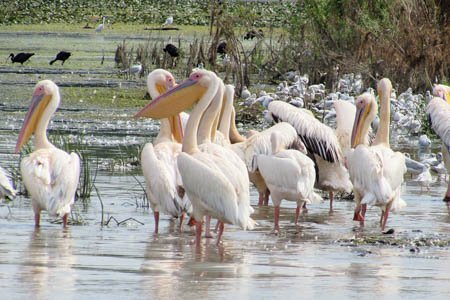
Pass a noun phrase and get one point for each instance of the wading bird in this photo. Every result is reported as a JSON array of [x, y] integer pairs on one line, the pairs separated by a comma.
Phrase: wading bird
[[101, 26], [50, 175], [20, 57], [376, 171], [62, 56], [169, 21], [289, 175], [438, 111], [216, 181], [322, 145], [6, 187], [158, 160]]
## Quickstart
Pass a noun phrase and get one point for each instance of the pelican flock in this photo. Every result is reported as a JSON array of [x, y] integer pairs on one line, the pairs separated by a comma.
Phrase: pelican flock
[[214, 178], [203, 166]]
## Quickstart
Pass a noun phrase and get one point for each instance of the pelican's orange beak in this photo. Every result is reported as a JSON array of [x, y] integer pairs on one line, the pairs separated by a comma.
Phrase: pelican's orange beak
[[38, 104], [175, 121], [174, 101], [360, 118], [177, 127]]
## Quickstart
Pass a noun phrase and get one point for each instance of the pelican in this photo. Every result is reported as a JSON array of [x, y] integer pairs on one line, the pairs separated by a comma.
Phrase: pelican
[[439, 115], [158, 160], [212, 180], [322, 145], [290, 175], [376, 171], [50, 175], [258, 143], [7, 189]]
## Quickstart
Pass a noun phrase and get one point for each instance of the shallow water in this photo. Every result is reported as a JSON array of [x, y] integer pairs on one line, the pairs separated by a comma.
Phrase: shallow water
[[326, 256]]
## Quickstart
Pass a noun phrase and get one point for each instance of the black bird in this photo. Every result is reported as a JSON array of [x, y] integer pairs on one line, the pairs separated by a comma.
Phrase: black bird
[[62, 56], [251, 34], [222, 48], [172, 50], [20, 57]]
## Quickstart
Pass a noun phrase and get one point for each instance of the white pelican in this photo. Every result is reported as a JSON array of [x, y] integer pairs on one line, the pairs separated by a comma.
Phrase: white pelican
[[7, 189], [322, 145], [290, 175], [158, 160], [257, 143], [376, 171], [215, 186], [439, 115], [50, 175]]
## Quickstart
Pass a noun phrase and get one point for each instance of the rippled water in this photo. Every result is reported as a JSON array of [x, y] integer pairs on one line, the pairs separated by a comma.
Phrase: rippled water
[[318, 259]]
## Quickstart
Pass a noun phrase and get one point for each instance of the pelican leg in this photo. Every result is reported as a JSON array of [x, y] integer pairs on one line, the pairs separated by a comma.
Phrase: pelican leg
[[298, 211], [360, 211], [37, 219], [363, 210], [181, 222], [261, 199], [447, 195], [64, 218], [156, 216], [221, 228], [331, 195], [276, 218], [198, 232], [266, 197], [386, 215], [217, 226], [305, 209], [208, 227]]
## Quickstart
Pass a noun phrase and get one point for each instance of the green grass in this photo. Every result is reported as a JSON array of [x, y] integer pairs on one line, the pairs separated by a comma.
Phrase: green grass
[[103, 97], [116, 28]]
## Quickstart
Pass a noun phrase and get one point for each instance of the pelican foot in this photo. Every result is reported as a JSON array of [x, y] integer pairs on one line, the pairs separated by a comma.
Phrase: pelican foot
[[275, 232], [208, 235]]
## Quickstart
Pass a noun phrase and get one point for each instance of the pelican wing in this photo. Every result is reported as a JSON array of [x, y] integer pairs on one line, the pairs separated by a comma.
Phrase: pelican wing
[[159, 167], [317, 137], [367, 168], [51, 177], [208, 188], [260, 143], [6, 186], [438, 111]]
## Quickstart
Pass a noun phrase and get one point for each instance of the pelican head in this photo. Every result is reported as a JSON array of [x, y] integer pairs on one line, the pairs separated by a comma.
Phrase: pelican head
[[44, 103], [442, 91], [159, 81], [181, 97], [366, 110]]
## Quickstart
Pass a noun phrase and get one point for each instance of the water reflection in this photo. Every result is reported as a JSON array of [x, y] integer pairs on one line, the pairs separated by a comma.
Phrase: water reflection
[[47, 264]]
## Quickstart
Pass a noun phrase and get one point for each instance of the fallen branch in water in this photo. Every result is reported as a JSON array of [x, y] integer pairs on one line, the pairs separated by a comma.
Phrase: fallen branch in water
[[122, 222]]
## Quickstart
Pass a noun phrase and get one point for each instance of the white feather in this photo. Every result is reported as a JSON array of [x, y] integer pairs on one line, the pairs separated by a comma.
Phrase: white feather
[[439, 112], [6, 187], [51, 177]]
